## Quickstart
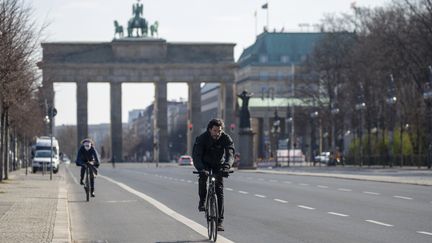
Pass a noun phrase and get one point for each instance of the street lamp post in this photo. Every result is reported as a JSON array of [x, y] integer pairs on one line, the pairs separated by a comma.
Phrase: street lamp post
[[391, 101], [360, 106], [334, 111], [276, 131], [427, 96], [313, 116], [290, 137]]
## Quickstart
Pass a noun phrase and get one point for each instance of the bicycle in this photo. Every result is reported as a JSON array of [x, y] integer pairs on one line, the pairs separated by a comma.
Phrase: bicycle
[[211, 204], [88, 170]]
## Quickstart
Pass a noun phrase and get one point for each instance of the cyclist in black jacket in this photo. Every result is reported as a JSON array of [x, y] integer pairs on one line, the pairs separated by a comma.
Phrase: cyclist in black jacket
[[213, 150], [87, 153]]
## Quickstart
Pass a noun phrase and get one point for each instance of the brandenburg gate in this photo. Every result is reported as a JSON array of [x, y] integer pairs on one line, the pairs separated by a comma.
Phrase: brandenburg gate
[[142, 59]]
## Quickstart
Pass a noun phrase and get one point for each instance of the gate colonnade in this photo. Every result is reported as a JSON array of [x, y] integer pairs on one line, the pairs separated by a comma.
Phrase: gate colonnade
[[141, 60]]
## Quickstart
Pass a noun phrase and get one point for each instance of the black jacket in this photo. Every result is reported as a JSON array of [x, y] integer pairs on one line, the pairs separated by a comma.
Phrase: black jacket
[[210, 153], [84, 156]]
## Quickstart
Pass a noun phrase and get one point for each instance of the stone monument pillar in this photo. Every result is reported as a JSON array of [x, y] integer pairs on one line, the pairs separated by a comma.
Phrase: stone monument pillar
[[194, 114], [116, 122], [246, 135], [82, 112], [160, 128]]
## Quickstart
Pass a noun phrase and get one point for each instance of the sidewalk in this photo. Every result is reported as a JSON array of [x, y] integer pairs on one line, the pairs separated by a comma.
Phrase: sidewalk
[[33, 208]]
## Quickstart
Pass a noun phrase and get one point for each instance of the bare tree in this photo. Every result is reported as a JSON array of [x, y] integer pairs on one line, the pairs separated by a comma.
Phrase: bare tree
[[18, 45]]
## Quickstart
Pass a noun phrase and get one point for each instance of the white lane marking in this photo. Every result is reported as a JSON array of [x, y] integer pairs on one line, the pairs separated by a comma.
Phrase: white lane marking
[[287, 182], [186, 221], [344, 190], [261, 196], [424, 232], [321, 186], [280, 200], [402, 197], [189, 181], [338, 214], [303, 184], [371, 193], [183, 180], [229, 189], [73, 177], [379, 223], [196, 183], [305, 207], [243, 192], [273, 180]]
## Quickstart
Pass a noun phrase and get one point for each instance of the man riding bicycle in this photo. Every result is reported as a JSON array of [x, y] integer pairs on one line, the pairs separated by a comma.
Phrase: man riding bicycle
[[87, 156], [213, 150]]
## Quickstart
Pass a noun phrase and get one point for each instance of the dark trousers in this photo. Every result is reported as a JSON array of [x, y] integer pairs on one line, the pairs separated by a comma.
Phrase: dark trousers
[[202, 191], [83, 169]]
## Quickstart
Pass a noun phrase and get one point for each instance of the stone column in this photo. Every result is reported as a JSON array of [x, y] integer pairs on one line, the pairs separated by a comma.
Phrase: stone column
[[160, 128], [228, 108], [194, 114], [82, 114], [116, 122]]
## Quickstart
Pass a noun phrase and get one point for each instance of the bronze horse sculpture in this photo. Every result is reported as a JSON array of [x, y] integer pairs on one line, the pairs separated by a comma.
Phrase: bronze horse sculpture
[[118, 29], [137, 22]]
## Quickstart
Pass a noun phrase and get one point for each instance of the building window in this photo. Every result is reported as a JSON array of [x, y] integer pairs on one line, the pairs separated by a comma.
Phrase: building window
[[263, 75], [263, 59], [285, 59]]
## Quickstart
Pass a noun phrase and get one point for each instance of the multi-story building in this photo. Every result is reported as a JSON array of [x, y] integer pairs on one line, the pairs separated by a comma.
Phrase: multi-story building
[[268, 70]]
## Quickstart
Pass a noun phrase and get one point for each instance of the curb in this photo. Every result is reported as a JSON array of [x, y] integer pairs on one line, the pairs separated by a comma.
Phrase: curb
[[62, 232]]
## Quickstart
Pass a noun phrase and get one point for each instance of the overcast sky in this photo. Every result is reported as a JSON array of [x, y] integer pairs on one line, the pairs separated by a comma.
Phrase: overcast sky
[[231, 21]]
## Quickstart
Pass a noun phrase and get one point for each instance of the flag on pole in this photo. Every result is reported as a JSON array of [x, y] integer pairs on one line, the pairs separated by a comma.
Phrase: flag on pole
[[264, 6]]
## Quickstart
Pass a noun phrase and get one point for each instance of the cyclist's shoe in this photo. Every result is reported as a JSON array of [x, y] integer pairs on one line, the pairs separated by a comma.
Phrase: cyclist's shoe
[[93, 194], [81, 182], [201, 206], [220, 227]]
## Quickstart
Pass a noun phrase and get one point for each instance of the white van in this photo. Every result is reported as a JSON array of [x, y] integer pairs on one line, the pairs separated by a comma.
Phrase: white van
[[42, 154]]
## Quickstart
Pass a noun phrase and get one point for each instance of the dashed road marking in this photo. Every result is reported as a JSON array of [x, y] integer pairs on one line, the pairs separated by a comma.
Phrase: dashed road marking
[[305, 207], [424, 232], [280, 200], [371, 193], [338, 214], [189, 181], [261, 196], [168, 211], [303, 184], [121, 201], [243, 192], [344, 190], [273, 180], [379, 223], [321, 186], [402, 197], [229, 189], [287, 182]]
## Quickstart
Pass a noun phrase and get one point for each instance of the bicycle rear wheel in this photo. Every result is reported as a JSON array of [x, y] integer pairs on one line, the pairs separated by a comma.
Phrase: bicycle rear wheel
[[212, 218]]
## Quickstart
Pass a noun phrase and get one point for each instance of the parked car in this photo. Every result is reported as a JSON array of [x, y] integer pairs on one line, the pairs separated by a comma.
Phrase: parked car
[[185, 160], [42, 159], [65, 159], [324, 158]]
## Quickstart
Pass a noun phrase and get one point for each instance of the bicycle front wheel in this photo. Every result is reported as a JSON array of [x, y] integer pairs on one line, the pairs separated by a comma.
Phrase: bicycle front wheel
[[212, 218], [87, 184]]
